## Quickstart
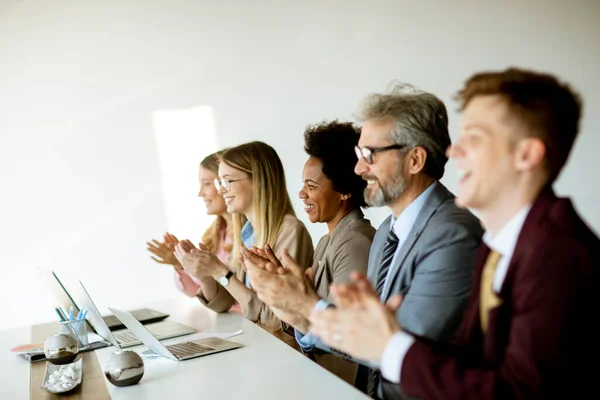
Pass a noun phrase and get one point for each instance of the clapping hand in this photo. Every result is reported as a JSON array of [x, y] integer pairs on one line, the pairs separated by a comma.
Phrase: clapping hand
[[360, 325], [199, 262], [163, 251]]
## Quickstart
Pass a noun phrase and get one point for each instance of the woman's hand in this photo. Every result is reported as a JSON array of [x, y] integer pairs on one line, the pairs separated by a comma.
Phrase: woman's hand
[[199, 262], [163, 251]]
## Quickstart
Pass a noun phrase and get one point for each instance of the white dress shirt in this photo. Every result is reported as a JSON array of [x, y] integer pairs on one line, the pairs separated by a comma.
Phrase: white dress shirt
[[504, 243]]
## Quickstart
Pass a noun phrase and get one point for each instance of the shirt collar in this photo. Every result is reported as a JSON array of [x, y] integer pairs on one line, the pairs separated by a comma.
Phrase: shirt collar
[[405, 221], [247, 234], [505, 241]]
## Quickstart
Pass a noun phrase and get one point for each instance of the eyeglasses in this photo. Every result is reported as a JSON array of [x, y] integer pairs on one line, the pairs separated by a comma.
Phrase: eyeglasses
[[226, 183], [367, 152]]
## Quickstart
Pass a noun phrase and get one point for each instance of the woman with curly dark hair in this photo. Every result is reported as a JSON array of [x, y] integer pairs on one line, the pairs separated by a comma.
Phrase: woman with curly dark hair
[[332, 194]]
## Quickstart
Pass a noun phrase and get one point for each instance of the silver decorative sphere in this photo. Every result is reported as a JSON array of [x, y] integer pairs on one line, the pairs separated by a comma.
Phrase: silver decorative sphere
[[124, 368], [61, 348]]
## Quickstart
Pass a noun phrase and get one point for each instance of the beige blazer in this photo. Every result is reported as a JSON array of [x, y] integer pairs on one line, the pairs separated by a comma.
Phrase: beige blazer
[[294, 237], [336, 257]]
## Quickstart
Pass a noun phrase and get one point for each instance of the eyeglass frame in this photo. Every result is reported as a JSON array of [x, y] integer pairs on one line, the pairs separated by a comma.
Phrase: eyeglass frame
[[219, 182], [360, 151]]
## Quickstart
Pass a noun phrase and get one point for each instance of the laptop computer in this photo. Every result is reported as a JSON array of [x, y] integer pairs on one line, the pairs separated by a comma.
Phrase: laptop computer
[[177, 351], [66, 300], [123, 338]]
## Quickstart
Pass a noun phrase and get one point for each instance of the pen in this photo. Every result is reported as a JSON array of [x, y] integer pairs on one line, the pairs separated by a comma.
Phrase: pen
[[60, 317]]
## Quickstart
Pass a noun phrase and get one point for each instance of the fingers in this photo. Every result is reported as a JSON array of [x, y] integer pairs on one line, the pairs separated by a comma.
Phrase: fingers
[[157, 260], [291, 264], [253, 257], [186, 245], [271, 255], [363, 283], [202, 246], [394, 303], [152, 245], [309, 273], [345, 295]]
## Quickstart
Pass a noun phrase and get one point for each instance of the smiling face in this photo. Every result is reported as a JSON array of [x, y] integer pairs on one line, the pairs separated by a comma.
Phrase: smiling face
[[488, 154], [321, 202], [240, 194], [385, 176], [215, 205]]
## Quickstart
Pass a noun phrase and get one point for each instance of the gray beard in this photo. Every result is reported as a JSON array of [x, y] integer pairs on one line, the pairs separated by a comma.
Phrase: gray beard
[[385, 195]]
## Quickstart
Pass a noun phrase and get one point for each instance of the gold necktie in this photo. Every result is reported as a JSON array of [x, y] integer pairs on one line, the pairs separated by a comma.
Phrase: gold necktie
[[487, 298]]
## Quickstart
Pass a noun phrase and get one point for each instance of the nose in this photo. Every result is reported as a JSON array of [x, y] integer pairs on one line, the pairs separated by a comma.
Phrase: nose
[[361, 167], [222, 190], [302, 194]]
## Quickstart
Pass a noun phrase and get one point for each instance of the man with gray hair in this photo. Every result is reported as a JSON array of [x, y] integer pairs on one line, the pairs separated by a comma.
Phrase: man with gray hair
[[425, 250]]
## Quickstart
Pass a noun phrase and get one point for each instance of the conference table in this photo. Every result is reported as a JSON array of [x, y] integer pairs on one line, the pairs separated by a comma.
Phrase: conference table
[[265, 368]]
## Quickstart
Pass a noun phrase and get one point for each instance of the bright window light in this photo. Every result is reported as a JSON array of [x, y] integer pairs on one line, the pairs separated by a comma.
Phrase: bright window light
[[184, 137]]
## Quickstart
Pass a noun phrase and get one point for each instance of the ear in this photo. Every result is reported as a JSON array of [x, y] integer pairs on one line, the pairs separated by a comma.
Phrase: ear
[[416, 158], [529, 154], [345, 197]]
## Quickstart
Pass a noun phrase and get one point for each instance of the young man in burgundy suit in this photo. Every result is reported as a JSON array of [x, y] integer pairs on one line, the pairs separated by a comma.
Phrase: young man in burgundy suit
[[527, 332]]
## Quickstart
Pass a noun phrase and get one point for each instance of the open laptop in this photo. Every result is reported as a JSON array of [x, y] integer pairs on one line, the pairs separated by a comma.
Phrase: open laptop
[[66, 300], [123, 338], [178, 351]]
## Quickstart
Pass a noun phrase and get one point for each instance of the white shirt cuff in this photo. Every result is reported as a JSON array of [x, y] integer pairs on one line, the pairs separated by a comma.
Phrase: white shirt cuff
[[393, 356]]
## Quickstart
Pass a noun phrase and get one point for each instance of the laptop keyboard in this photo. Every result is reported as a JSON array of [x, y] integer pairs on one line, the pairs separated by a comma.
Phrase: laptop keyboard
[[187, 349], [125, 337]]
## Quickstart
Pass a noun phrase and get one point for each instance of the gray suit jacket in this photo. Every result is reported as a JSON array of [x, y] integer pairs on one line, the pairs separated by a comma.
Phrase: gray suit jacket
[[433, 267]]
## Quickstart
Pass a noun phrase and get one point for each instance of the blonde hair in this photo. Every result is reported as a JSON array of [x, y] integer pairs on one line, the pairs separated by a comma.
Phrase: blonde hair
[[271, 202], [212, 237]]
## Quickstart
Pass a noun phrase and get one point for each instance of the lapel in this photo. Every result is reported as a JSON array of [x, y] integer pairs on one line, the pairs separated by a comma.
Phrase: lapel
[[330, 245], [497, 334], [436, 197]]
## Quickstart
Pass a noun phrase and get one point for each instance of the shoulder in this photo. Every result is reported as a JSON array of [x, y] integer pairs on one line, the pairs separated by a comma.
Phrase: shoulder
[[291, 223], [358, 229], [451, 222]]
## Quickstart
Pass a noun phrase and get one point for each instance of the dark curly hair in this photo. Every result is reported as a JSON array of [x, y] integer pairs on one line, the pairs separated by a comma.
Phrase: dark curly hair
[[333, 143]]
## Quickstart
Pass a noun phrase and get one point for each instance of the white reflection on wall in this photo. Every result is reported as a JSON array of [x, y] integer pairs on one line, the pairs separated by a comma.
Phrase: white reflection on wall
[[184, 137]]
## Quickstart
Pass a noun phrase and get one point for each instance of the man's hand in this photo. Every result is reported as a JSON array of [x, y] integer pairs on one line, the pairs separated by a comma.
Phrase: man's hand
[[360, 325]]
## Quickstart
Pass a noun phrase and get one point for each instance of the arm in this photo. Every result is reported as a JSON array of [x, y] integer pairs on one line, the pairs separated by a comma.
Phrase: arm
[[297, 241], [220, 299], [185, 283]]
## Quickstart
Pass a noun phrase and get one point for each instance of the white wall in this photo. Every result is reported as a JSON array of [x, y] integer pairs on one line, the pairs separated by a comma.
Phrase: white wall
[[80, 82]]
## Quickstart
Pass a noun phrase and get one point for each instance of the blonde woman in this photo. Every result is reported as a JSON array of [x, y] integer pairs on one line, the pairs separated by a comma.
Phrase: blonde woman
[[252, 182], [217, 238]]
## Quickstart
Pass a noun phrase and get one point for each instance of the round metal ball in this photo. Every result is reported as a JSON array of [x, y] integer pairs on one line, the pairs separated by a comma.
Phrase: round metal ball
[[124, 368], [61, 348]]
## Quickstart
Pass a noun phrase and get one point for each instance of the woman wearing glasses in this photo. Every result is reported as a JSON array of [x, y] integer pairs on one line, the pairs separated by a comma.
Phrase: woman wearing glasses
[[217, 238], [252, 183]]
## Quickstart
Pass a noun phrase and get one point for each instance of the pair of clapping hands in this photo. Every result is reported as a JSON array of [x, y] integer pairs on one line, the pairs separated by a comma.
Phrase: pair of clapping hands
[[359, 324], [182, 254]]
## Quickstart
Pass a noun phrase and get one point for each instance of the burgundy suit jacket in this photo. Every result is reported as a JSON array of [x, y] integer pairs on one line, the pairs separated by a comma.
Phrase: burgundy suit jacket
[[540, 342]]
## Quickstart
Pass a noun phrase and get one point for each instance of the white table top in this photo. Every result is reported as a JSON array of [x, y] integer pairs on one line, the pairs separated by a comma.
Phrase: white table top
[[265, 368]]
